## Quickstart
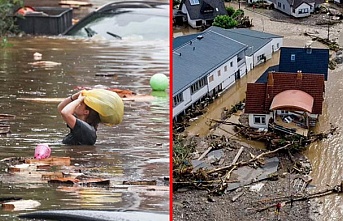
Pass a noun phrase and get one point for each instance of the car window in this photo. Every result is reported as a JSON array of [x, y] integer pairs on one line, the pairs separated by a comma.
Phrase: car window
[[141, 23]]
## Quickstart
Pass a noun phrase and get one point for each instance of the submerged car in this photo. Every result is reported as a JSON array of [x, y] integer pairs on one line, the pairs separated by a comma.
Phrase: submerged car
[[120, 20]]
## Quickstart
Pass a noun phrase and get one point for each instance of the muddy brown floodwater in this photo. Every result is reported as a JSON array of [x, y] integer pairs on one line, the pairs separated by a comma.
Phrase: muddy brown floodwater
[[326, 156], [137, 149]]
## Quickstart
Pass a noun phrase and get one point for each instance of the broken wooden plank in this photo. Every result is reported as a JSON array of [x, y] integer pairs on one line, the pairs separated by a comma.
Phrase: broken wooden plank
[[85, 182], [237, 155], [20, 168], [234, 198], [52, 161], [20, 205], [43, 167], [143, 182], [205, 153], [96, 182], [64, 180], [52, 175]]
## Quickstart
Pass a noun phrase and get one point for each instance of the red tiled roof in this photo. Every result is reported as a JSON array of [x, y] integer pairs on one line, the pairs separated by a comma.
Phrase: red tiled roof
[[259, 102], [255, 98]]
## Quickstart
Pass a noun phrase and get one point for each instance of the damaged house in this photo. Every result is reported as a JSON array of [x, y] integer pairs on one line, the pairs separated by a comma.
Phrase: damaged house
[[297, 8], [202, 12], [287, 100]]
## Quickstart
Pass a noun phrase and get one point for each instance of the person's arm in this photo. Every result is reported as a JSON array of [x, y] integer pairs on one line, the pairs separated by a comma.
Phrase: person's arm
[[67, 101], [67, 108]]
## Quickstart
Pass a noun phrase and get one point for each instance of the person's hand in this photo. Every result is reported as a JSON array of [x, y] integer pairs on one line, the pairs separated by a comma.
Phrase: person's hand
[[81, 96]]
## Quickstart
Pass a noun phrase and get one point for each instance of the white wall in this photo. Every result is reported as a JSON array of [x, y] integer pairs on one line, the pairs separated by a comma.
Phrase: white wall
[[302, 6], [275, 42], [266, 50], [251, 121], [224, 74], [249, 63], [189, 99], [243, 70]]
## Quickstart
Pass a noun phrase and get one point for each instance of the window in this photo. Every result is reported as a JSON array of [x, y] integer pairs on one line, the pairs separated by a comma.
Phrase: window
[[194, 2], [211, 78], [260, 119], [231, 64], [198, 23], [279, 5], [198, 85], [277, 45], [225, 68], [177, 99], [303, 11], [261, 57], [219, 73], [292, 57]]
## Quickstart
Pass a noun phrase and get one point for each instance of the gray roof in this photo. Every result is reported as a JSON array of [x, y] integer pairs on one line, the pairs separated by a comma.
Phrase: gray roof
[[195, 60], [251, 38]]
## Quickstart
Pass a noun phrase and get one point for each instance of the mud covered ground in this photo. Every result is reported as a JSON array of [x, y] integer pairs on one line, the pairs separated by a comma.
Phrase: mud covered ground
[[198, 202]]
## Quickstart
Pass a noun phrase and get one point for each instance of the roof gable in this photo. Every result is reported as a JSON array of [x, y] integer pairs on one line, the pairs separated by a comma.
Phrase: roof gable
[[307, 60], [297, 3], [206, 9]]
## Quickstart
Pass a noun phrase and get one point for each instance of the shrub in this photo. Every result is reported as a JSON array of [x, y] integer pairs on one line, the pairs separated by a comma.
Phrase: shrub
[[7, 21], [224, 21]]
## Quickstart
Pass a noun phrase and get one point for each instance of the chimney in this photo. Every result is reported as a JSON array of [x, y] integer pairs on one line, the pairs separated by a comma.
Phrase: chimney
[[299, 75], [270, 79]]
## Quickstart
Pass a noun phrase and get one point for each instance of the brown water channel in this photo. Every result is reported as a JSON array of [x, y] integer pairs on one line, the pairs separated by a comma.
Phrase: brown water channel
[[137, 149]]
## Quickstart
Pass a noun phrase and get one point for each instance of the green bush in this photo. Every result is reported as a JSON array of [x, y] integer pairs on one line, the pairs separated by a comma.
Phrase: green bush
[[238, 13], [224, 21], [7, 21], [230, 11]]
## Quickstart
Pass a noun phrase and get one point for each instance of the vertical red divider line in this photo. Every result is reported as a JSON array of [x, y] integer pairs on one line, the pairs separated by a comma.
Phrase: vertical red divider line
[[170, 110]]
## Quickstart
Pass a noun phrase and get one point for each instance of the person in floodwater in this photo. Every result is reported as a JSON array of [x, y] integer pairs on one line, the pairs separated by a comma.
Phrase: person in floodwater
[[82, 120]]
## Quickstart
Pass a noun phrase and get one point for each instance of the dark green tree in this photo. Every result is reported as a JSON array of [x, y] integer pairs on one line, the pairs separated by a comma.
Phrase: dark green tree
[[230, 10], [238, 13], [7, 20], [224, 21]]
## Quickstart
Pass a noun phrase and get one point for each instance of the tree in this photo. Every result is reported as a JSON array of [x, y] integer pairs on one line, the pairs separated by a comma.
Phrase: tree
[[230, 10], [238, 13], [7, 20], [224, 21]]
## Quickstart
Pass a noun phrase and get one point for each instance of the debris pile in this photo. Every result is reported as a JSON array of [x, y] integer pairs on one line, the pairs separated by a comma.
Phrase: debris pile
[[219, 170], [63, 174]]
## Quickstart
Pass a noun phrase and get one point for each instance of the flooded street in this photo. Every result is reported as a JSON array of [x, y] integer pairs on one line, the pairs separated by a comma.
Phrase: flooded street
[[326, 156], [137, 149]]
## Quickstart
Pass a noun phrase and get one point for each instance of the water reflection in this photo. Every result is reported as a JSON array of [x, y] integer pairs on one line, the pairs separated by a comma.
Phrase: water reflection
[[137, 149]]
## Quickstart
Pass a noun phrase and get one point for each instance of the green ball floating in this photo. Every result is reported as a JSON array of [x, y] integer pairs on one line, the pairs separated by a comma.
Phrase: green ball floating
[[159, 82]]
